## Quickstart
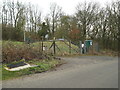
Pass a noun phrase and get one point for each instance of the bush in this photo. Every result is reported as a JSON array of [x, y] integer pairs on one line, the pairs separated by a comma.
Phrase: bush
[[12, 52]]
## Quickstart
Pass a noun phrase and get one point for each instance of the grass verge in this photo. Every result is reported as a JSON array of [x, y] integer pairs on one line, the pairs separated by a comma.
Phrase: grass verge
[[43, 66]]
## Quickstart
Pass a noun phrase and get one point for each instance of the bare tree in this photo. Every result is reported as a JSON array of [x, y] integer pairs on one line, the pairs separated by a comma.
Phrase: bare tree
[[55, 12], [87, 17]]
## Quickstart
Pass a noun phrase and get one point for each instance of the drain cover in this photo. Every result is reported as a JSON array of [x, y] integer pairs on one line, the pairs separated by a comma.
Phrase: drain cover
[[16, 65]]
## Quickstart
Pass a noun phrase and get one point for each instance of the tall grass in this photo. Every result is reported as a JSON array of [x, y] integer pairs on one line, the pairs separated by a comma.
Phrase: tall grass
[[15, 51]]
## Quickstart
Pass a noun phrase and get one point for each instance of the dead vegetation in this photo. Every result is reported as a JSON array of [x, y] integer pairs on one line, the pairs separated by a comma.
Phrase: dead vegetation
[[12, 52]]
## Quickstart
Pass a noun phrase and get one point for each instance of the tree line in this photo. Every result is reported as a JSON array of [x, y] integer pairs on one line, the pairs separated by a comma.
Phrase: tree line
[[22, 22]]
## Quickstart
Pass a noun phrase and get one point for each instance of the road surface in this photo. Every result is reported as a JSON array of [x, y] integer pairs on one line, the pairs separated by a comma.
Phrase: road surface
[[78, 72]]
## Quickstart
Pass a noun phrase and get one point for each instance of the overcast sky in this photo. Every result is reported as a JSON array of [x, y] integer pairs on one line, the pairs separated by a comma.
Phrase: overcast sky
[[68, 6]]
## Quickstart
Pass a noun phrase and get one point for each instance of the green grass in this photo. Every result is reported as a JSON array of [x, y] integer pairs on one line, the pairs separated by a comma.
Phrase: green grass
[[0, 72], [43, 66], [0, 41], [64, 49], [12, 42]]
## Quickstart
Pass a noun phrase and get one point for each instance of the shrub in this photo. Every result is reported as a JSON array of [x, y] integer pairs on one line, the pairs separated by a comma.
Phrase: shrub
[[12, 52]]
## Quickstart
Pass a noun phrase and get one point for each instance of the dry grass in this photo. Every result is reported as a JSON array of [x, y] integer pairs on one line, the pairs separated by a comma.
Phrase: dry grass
[[15, 52]]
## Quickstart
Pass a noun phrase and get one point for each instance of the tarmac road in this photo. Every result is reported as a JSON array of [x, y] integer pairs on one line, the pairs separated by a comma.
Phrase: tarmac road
[[78, 72]]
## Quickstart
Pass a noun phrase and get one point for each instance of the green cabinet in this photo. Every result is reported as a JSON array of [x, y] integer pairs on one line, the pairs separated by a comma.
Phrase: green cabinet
[[87, 44]]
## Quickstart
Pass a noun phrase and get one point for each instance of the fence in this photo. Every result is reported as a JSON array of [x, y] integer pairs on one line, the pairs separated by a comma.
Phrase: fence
[[64, 46], [60, 47]]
